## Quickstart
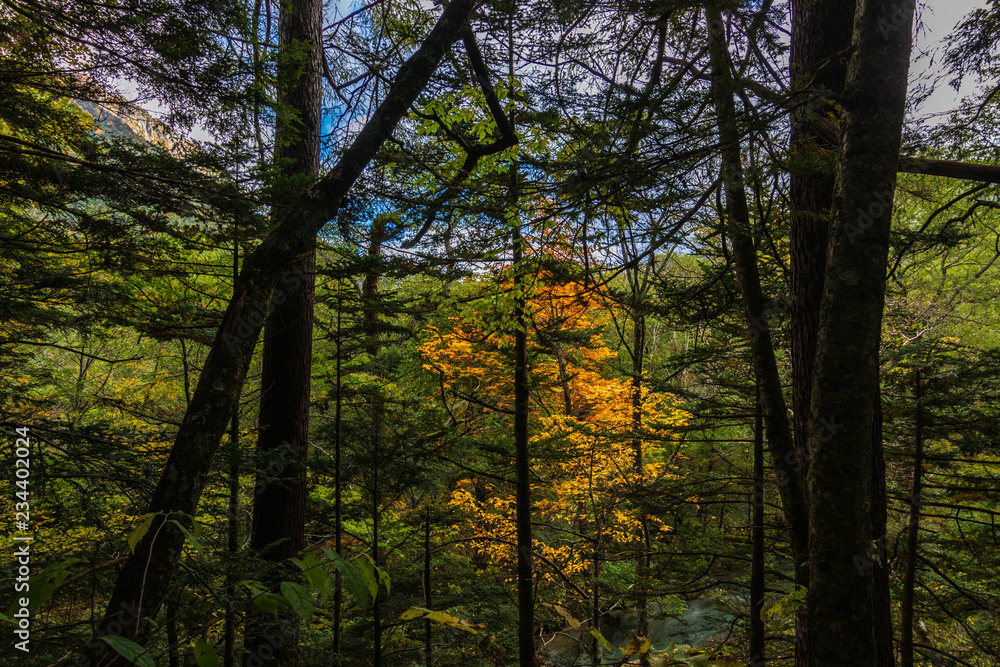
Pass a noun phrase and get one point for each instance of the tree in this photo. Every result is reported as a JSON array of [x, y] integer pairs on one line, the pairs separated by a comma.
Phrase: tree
[[283, 423], [145, 576], [840, 603]]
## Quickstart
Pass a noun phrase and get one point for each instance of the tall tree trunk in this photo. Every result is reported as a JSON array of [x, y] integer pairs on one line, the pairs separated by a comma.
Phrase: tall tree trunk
[[173, 656], [757, 655], [283, 436], [821, 34], [233, 526], [821, 31], [145, 577], [370, 315], [595, 603], [428, 647], [233, 540], [881, 600], [642, 557], [912, 538], [840, 602], [338, 527], [522, 466], [779, 437]]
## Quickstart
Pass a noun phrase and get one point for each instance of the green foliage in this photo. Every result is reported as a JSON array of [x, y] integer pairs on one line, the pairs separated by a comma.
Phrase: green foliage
[[441, 617], [128, 649], [204, 654]]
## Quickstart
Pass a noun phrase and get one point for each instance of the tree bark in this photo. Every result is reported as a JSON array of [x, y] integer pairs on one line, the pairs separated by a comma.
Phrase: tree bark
[[232, 525], [232, 540], [428, 646], [370, 317], [757, 635], [642, 557], [522, 466], [912, 538], [144, 579], [840, 602], [278, 531], [338, 510], [881, 599], [821, 34]]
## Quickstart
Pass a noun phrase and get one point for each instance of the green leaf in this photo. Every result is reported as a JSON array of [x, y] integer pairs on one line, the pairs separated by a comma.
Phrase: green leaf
[[128, 649], [140, 530], [383, 578], [440, 617], [351, 577], [204, 654], [367, 570], [318, 577], [599, 637], [271, 603], [190, 538], [299, 598]]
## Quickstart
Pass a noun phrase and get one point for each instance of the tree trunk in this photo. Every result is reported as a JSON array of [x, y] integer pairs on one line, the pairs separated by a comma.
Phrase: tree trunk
[[522, 465], [821, 33], [882, 601], [283, 436], [912, 539], [338, 527], [233, 539], [233, 527], [428, 647], [145, 577], [642, 557], [757, 655], [840, 602], [173, 656], [370, 315]]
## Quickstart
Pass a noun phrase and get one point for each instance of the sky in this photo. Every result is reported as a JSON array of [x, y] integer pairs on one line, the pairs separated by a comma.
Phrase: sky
[[939, 18]]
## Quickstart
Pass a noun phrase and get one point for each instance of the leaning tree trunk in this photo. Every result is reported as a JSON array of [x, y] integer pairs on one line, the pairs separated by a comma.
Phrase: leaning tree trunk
[[841, 423], [779, 438], [283, 436], [145, 577]]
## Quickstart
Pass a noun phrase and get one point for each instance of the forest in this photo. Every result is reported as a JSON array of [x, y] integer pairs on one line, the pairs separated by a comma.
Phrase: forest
[[512, 333]]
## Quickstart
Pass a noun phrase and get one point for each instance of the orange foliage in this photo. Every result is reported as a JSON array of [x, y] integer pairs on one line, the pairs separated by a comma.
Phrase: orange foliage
[[583, 435]]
